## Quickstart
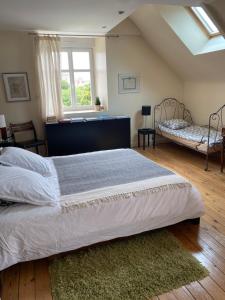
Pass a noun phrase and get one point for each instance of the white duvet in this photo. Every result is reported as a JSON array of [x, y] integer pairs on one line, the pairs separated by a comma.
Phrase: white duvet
[[31, 232]]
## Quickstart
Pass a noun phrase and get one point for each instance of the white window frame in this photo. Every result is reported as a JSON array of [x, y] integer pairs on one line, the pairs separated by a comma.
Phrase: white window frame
[[204, 22], [71, 71]]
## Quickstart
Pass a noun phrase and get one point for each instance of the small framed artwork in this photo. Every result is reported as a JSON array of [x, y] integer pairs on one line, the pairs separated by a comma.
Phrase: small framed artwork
[[16, 87], [129, 83]]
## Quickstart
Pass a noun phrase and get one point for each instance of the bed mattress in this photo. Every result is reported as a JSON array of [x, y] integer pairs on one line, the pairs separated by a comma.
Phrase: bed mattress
[[194, 133], [104, 195]]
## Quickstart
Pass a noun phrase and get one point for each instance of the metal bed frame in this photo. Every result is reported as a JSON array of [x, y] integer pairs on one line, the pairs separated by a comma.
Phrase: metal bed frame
[[171, 108]]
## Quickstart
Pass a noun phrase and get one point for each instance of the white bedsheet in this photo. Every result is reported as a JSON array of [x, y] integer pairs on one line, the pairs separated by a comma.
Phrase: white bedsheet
[[30, 232]]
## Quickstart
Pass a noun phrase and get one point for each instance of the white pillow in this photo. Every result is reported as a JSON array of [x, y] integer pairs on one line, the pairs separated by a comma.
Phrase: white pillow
[[25, 159], [24, 186]]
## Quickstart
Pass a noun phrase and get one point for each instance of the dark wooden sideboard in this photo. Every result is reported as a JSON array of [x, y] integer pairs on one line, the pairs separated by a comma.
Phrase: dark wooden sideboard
[[88, 135]]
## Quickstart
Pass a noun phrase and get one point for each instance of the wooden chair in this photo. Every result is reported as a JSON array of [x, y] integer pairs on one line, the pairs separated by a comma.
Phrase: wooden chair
[[32, 143]]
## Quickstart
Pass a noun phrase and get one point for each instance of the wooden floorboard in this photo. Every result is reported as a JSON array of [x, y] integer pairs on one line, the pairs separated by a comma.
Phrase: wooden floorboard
[[29, 281]]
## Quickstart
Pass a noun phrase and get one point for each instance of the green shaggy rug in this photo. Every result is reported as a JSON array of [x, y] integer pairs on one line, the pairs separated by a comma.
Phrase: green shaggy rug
[[134, 268]]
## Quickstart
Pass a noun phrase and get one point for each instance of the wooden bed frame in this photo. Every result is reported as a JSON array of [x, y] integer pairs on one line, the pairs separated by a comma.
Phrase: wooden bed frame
[[171, 108]]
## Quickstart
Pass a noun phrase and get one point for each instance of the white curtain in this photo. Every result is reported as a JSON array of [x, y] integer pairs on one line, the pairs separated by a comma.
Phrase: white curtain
[[47, 52]]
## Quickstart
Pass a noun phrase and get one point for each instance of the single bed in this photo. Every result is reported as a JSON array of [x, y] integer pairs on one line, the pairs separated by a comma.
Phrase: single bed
[[104, 195], [205, 139]]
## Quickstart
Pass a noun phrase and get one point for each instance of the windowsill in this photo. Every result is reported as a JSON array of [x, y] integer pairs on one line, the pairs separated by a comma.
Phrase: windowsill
[[77, 112], [214, 44]]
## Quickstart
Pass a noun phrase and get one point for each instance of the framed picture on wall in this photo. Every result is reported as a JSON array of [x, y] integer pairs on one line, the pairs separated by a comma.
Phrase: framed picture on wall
[[129, 83], [16, 87]]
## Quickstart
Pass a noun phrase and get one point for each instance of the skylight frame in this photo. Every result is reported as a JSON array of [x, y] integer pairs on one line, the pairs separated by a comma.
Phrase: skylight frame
[[205, 21]]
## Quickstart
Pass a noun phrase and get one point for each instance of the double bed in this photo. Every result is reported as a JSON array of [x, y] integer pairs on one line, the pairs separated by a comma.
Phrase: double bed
[[103, 195], [205, 139]]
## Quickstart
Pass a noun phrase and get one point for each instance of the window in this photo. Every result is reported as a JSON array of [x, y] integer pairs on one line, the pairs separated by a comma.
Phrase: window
[[205, 21], [77, 79]]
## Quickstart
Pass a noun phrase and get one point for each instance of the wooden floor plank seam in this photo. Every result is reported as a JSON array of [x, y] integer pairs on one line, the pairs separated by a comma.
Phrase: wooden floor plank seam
[[198, 292]]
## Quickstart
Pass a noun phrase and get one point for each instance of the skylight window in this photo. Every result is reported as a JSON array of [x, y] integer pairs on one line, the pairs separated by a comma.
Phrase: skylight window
[[205, 20]]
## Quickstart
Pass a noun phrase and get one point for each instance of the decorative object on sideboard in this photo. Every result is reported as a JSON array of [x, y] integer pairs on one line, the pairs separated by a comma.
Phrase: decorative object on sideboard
[[97, 104], [16, 86], [146, 111], [128, 83], [51, 120], [3, 128]]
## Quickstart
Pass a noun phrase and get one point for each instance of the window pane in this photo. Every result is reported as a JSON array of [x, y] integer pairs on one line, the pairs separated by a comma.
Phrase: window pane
[[64, 61], [81, 60], [66, 89], [83, 88]]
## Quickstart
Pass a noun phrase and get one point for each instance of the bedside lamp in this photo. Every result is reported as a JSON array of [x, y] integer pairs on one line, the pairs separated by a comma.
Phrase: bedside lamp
[[3, 127], [146, 111]]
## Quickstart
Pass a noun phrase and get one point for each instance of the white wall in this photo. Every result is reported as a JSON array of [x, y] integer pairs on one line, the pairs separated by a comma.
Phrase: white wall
[[16, 56], [204, 98], [132, 54]]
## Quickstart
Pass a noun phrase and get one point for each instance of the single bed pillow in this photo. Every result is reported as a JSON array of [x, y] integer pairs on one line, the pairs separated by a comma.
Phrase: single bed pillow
[[24, 186], [25, 159], [175, 124]]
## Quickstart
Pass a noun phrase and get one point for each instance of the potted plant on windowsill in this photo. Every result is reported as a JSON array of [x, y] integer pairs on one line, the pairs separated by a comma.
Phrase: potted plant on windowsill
[[97, 103]]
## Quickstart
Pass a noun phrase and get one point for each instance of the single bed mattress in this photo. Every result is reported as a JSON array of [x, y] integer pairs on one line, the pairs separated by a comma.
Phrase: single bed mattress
[[104, 195], [194, 133]]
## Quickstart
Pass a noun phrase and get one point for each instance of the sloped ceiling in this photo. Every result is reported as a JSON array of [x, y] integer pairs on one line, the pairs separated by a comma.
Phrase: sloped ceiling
[[71, 16], [160, 36]]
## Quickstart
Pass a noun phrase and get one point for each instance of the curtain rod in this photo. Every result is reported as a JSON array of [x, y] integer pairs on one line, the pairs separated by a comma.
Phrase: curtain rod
[[116, 35], [74, 35]]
